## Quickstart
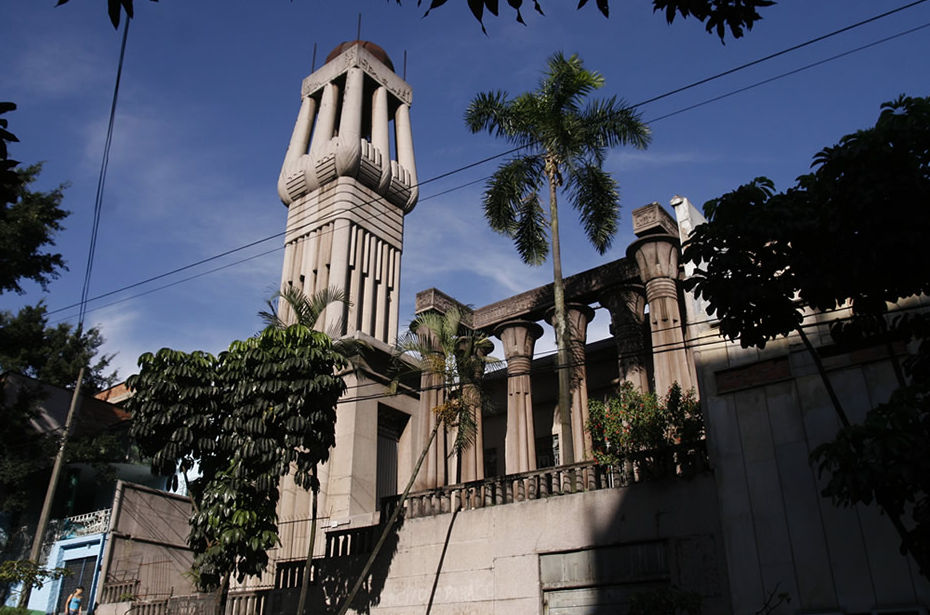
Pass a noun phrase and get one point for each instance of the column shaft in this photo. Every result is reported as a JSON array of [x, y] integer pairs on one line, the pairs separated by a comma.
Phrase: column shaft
[[519, 338], [325, 120]]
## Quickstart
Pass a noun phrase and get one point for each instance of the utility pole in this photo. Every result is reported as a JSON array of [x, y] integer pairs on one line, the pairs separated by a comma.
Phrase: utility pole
[[39, 538]]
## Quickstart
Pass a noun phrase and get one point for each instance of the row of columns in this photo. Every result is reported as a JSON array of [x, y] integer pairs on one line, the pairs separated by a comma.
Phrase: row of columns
[[657, 260], [316, 138]]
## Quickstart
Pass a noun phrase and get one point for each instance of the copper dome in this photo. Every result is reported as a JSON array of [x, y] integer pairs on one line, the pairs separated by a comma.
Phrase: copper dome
[[370, 47]]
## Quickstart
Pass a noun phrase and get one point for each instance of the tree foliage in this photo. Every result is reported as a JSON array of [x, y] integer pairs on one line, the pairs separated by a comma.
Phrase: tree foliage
[[564, 139], [28, 220], [716, 15], [631, 422], [243, 419], [840, 235], [886, 460], [852, 232], [53, 354]]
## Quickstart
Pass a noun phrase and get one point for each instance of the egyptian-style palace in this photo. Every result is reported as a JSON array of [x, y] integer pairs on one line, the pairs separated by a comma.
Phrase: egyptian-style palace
[[510, 526]]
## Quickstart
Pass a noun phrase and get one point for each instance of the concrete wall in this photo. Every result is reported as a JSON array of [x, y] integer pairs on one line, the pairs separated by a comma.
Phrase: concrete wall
[[147, 554], [766, 411], [488, 560]]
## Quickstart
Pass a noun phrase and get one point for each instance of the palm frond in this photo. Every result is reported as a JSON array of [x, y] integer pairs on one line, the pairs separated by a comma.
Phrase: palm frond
[[530, 236], [611, 122], [440, 346], [595, 195], [566, 82], [508, 188], [306, 310]]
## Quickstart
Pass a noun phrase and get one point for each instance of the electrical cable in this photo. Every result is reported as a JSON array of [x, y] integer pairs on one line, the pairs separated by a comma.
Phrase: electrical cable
[[465, 167], [101, 181]]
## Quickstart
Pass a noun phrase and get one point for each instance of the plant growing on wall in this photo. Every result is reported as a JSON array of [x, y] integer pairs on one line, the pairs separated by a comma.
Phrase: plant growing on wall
[[850, 233], [634, 424]]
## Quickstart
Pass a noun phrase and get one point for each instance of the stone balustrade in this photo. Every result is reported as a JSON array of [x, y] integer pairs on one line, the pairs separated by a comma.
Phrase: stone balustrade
[[682, 460]]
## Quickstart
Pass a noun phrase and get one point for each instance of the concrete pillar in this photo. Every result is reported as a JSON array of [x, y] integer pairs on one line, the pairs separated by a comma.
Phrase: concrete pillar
[[432, 395], [519, 338], [578, 315], [657, 258], [380, 134], [336, 314], [348, 153], [300, 138], [403, 137], [472, 462], [627, 304], [325, 120]]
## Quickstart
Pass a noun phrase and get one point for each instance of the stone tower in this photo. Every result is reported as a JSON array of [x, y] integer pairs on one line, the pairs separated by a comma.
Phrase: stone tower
[[348, 180], [347, 185]]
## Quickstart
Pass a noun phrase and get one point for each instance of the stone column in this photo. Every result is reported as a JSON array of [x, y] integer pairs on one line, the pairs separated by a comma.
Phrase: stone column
[[380, 134], [433, 474], [657, 258], [325, 120], [579, 315], [403, 137], [472, 464], [627, 304], [350, 124], [519, 337], [300, 138]]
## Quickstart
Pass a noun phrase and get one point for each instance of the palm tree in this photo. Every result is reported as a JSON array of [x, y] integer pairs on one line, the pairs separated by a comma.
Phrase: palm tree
[[295, 307], [453, 359], [565, 140]]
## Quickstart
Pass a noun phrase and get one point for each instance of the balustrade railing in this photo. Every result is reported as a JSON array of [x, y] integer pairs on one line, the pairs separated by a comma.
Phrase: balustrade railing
[[685, 460], [95, 522]]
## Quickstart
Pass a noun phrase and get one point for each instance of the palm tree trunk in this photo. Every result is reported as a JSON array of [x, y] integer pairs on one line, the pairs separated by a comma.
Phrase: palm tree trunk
[[308, 566], [562, 341], [390, 522]]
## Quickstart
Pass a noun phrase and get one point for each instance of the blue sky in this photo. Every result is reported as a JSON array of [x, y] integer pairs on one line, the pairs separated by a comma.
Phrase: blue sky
[[210, 92]]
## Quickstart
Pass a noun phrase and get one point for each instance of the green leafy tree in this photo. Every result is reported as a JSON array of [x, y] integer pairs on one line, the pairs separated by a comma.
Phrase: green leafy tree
[[852, 233], [307, 310], [28, 220], [565, 139], [635, 425], [244, 419], [453, 359], [53, 354], [717, 15], [26, 573]]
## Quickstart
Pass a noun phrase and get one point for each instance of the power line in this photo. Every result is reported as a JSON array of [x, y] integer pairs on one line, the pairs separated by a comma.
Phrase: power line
[[512, 150]]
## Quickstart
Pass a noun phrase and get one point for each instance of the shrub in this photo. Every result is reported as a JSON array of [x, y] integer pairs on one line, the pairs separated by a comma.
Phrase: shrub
[[632, 422]]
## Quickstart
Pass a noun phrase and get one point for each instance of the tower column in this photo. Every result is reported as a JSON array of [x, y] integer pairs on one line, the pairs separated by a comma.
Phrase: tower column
[[380, 134], [404, 139], [519, 339], [325, 120], [350, 124], [300, 138]]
